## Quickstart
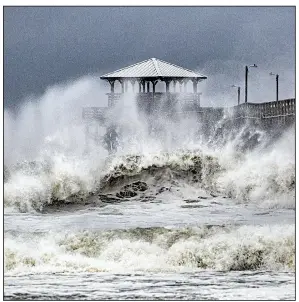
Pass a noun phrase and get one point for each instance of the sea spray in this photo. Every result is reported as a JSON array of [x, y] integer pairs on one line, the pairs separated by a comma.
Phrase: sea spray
[[247, 164], [69, 177], [270, 182], [264, 175], [154, 249]]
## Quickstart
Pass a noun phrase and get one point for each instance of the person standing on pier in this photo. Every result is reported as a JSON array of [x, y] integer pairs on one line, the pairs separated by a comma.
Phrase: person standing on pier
[[111, 139]]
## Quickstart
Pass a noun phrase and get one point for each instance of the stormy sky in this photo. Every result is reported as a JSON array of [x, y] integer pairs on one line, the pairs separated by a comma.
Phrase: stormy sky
[[44, 46]]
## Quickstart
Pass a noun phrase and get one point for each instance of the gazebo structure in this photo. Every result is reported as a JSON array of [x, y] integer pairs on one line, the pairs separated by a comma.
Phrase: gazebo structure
[[147, 74]]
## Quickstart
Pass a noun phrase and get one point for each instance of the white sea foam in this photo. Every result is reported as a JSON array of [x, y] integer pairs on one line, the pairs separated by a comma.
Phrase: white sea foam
[[153, 249], [269, 181], [49, 130]]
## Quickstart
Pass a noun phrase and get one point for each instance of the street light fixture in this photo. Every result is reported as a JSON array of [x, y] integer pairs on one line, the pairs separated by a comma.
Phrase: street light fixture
[[277, 78], [246, 79], [239, 89]]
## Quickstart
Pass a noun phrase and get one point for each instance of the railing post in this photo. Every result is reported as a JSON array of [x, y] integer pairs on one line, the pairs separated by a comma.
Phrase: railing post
[[294, 106]]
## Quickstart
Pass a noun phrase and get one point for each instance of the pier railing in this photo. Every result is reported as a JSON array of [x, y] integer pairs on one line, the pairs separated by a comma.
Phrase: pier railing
[[113, 98], [94, 113], [275, 109], [270, 112], [279, 108]]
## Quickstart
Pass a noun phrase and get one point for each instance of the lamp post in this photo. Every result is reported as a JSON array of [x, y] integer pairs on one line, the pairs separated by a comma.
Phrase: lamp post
[[239, 89], [277, 78], [246, 79]]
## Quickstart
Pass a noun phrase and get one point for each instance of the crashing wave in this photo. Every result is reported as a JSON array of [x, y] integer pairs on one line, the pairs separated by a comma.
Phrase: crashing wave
[[36, 186], [154, 249], [192, 166]]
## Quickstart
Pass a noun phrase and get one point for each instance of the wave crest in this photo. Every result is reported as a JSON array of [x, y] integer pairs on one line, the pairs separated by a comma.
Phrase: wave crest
[[155, 249], [268, 179]]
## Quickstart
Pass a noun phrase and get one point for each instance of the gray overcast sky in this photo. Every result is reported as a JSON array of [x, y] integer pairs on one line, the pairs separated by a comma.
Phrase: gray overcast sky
[[47, 45]]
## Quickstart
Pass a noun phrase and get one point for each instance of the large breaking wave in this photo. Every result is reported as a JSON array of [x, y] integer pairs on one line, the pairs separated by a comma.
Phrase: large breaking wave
[[46, 163], [154, 249], [47, 169], [268, 180]]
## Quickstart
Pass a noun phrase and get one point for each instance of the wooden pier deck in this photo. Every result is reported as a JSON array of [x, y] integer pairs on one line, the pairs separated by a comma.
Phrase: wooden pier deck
[[269, 116], [274, 112]]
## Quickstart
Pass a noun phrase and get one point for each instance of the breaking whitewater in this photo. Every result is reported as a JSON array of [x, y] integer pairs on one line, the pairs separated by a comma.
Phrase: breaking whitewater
[[174, 214]]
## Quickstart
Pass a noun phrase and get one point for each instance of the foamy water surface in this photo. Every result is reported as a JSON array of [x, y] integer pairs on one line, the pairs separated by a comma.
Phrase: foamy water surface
[[173, 216]]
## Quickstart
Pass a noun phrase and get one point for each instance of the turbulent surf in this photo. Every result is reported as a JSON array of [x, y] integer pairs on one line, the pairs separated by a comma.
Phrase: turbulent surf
[[244, 177], [176, 203]]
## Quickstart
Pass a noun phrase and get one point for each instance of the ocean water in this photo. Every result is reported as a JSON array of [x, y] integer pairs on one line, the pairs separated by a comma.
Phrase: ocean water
[[173, 214]]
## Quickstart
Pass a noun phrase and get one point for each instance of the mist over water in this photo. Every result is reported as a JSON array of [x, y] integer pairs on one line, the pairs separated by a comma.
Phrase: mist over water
[[189, 207], [171, 200], [50, 131], [51, 121]]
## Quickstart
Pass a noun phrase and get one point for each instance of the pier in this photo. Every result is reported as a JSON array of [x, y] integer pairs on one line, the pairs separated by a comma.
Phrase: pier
[[143, 78]]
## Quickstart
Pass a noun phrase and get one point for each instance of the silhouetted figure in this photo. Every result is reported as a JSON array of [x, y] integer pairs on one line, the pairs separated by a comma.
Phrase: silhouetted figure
[[110, 139]]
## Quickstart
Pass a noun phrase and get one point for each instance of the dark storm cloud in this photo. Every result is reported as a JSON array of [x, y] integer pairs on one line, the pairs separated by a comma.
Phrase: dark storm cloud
[[44, 46]]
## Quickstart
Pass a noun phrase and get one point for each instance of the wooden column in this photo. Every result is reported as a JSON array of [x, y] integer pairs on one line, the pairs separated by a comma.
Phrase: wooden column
[[139, 82], [148, 86], [122, 86], [143, 85], [133, 84], [167, 85], [194, 86], [185, 85], [111, 82], [181, 83], [154, 85], [174, 85]]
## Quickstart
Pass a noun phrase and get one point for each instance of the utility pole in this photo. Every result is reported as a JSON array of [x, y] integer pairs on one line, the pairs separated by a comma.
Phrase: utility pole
[[239, 91], [277, 80], [246, 80], [277, 77]]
